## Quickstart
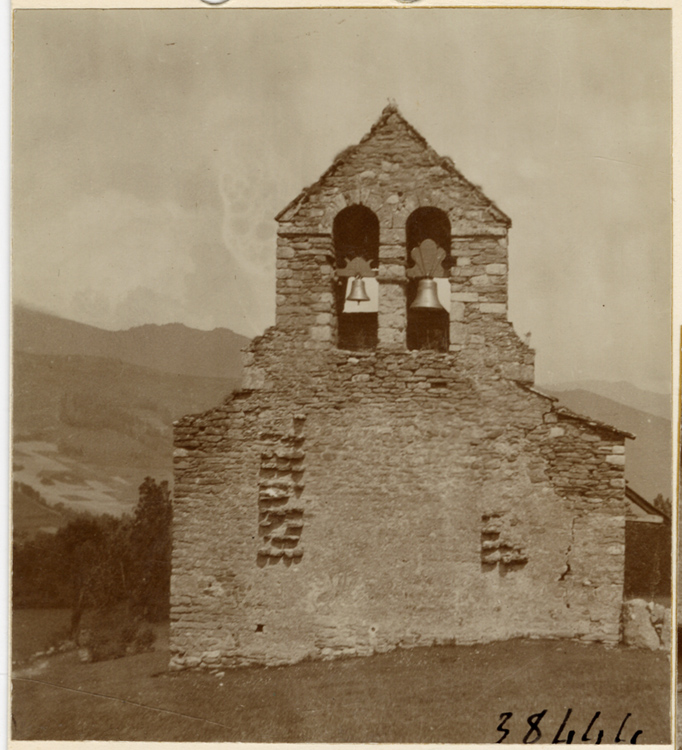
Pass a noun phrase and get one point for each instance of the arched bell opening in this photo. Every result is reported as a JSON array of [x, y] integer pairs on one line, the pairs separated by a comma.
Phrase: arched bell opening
[[355, 235], [428, 242], [428, 223]]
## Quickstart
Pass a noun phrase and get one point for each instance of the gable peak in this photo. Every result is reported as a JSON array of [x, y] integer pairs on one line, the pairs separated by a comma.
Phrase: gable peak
[[391, 113], [399, 130]]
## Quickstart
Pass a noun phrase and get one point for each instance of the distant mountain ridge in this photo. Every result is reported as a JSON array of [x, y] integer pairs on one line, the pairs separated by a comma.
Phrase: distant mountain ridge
[[172, 348], [658, 404]]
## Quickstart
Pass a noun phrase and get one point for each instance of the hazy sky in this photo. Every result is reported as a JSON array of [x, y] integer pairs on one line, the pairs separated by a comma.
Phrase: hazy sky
[[153, 148]]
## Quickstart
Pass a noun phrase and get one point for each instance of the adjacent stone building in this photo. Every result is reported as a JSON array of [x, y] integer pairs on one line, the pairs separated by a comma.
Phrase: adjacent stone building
[[388, 476], [648, 550]]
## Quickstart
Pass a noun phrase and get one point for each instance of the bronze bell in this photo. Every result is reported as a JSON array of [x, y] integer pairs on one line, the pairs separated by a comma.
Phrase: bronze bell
[[427, 296], [357, 293]]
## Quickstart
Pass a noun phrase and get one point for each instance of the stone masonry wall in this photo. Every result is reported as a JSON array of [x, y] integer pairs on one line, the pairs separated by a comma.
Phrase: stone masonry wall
[[357, 502], [352, 502]]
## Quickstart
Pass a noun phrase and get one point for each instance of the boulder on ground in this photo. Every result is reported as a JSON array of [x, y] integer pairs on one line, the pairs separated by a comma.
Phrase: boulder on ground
[[638, 630]]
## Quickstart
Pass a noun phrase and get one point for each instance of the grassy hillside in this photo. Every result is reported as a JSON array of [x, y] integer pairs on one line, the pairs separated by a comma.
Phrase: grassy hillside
[[648, 459], [31, 514], [87, 430], [93, 409]]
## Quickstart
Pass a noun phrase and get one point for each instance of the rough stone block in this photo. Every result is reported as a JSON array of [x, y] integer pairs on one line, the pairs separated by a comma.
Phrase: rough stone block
[[253, 378], [321, 333], [457, 311], [391, 272], [638, 630], [457, 332], [493, 308]]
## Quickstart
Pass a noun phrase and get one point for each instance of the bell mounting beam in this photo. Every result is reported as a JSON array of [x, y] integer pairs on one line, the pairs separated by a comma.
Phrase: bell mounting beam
[[357, 267]]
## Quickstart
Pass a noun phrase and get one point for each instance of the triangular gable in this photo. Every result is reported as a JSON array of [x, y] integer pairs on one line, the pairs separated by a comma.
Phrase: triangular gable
[[391, 113]]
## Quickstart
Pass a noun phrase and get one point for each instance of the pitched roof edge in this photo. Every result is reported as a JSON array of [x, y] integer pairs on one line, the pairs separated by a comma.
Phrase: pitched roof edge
[[445, 161], [342, 156], [535, 390], [566, 412]]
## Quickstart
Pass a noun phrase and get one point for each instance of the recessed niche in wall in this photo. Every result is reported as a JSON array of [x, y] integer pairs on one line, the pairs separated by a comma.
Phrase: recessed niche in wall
[[502, 542]]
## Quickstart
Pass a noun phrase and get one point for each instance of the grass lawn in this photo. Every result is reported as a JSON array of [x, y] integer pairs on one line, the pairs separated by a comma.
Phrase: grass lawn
[[36, 630], [451, 694]]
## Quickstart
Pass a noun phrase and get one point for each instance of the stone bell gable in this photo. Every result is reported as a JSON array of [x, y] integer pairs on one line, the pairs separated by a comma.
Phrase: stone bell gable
[[393, 170], [394, 181], [387, 475]]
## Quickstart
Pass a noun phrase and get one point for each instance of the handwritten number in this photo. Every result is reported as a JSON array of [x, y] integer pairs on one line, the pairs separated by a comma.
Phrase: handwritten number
[[534, 734], [533, 724], [571, 734], [500, 727], [622, 726], [600, 736]]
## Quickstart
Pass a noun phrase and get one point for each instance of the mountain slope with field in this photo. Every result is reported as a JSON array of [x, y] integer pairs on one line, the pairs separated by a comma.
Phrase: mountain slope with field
[[87, 429]]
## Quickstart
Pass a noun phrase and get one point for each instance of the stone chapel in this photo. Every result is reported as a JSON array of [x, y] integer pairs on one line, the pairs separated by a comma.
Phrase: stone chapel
[[387, 475]]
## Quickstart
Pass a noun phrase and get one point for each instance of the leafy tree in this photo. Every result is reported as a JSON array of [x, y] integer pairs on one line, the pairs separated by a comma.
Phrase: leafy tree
[[37, 577], [98, 562], [91, 566], [663, 504], [150, 548]]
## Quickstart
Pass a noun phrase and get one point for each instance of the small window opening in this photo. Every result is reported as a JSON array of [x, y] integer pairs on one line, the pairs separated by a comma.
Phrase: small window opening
[[427, 328], [356, 235], [259, 627]]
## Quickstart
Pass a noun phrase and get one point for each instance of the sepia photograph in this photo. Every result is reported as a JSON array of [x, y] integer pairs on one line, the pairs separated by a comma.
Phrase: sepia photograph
[[341, 375]]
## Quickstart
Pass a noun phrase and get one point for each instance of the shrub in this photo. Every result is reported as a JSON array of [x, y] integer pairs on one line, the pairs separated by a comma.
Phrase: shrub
[[110, 638]]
